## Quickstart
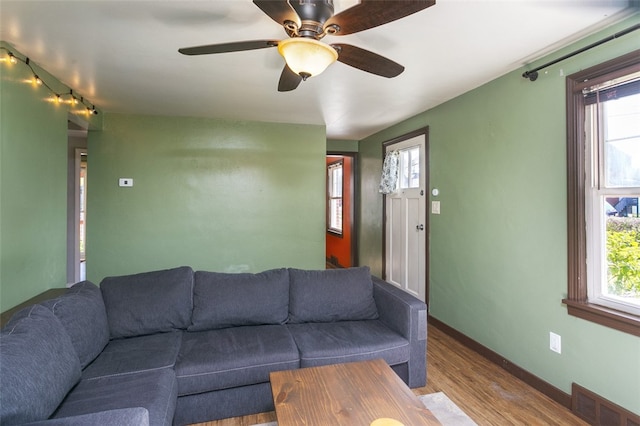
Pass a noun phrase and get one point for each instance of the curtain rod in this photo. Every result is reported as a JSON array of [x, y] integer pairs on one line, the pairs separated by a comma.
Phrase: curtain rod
[[532, 75]]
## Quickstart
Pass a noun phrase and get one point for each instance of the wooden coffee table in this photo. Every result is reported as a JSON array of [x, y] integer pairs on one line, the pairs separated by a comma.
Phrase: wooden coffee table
[[353, 394]]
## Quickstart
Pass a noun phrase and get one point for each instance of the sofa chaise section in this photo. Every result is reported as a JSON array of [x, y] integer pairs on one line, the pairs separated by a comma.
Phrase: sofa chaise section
[[41, 376], [156, 391]]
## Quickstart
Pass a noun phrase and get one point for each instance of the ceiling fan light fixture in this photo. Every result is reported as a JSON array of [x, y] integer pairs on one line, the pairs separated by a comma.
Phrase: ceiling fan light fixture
[[307, 57]]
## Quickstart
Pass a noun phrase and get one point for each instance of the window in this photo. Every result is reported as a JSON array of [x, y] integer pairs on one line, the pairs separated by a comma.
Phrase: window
[[603, 174], [410, 168], [612, 131], [334, 197]]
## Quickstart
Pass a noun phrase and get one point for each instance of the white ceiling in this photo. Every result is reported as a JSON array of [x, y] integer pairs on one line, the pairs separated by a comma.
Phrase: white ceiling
[[123, 56]]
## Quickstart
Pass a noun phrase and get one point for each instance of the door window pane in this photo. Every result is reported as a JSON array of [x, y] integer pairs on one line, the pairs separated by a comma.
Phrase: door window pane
[[410, 168]]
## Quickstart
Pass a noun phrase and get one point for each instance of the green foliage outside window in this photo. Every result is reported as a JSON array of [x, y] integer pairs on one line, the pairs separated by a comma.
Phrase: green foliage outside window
[[623, 256]]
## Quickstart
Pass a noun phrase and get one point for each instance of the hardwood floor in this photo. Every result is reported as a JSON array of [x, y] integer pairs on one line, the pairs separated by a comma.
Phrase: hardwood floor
[[483, 390], [486, 392]]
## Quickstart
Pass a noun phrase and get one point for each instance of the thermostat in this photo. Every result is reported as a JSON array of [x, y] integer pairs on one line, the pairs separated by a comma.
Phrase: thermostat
[[125, 182]]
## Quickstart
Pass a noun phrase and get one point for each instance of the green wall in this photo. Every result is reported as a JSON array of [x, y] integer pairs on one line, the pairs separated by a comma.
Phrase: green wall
[[33, 183], [498, 268], [212, 194], [342, 145]]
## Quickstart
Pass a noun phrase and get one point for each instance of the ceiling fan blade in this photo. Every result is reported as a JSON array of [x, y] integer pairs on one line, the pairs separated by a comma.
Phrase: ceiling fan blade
[[289, 80], [372, 13], [278, 10], [228, 47], [367, 61]]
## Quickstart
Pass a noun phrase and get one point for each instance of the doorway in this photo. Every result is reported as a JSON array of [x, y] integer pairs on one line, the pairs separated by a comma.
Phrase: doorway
[[341, 250], [76, 200], [406, 254]]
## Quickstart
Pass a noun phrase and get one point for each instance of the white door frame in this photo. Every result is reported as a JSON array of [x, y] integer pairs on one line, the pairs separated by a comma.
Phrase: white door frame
[[76, 145], [423, 131]]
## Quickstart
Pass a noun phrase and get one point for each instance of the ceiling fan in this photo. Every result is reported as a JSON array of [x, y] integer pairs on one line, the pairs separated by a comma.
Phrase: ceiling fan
[[306, 22]]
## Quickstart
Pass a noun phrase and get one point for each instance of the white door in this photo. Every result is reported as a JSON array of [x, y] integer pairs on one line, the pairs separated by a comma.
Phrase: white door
[[406, 227]]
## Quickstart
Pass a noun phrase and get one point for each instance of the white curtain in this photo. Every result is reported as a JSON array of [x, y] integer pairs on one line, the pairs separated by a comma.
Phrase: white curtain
[[389, 179]]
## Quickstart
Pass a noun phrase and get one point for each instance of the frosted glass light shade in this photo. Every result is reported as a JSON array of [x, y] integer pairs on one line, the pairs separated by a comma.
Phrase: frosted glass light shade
[[306, 56]]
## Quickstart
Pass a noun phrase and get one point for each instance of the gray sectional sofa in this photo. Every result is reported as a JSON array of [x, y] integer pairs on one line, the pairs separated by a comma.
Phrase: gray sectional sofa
[[178, 347]]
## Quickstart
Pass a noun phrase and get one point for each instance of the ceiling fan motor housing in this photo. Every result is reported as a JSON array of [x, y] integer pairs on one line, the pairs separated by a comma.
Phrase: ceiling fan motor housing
[[313, 14]]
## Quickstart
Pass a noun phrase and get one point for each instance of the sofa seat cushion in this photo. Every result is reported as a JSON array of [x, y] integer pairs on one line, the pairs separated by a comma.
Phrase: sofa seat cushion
[[38, 366], [223, 300], [154, 390], [136, 354], [230, 357], [348, 341], [81, 311], [148, 303], [137, 416], [331, 295]]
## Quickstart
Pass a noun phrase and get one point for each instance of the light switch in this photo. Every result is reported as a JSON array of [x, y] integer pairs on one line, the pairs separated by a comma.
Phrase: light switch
[[125, 182], [555, 342], [435, 207]]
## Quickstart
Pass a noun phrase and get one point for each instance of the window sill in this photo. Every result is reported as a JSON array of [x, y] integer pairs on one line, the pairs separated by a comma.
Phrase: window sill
[[608, 317]]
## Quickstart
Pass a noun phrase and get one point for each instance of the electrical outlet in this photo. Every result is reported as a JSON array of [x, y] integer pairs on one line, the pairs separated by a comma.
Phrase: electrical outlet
[[555, 342]]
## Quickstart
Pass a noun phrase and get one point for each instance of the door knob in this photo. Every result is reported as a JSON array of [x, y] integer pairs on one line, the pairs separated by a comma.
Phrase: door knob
[[420, 227]]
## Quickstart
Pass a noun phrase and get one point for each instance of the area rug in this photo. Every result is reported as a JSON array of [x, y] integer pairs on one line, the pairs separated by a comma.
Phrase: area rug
[[447, 413]]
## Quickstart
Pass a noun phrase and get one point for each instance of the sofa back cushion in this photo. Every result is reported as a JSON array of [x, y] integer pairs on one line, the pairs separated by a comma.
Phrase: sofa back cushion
[[224, 300], [331, 295], [150, 302], [38, 366], [81, 311]]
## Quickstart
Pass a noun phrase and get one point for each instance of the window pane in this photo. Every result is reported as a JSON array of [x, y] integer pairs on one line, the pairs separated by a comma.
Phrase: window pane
[[623, 249], [622, 142], [335, 214], [410, 168], [414, 176], [334, 199], [404, 169], [337, 182]]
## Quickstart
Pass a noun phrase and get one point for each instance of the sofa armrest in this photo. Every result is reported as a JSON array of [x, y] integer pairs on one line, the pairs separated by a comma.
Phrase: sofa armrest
[[399, 310], [137, 416], [406, 315]]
